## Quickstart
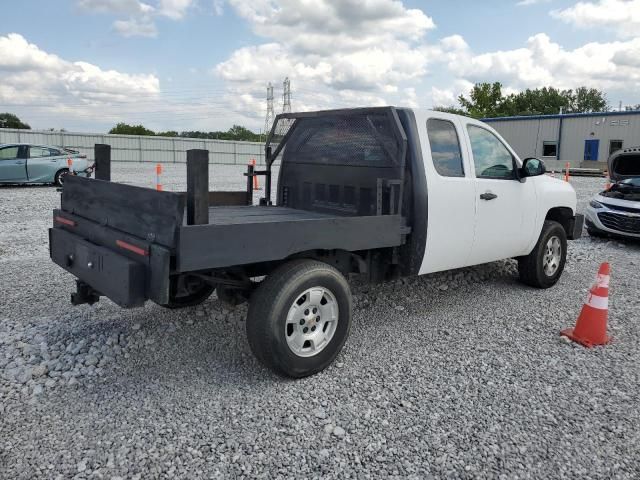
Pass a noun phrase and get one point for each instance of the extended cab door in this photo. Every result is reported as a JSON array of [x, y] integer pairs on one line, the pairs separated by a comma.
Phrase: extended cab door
[[451, 193], [13, 163], [505, 207]]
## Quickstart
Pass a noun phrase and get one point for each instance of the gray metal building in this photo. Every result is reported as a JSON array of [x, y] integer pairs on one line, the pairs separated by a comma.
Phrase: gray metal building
[[583, 139]]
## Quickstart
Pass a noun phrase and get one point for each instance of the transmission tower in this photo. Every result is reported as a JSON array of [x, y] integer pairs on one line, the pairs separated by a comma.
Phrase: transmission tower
[[286, 96], [268, 120]]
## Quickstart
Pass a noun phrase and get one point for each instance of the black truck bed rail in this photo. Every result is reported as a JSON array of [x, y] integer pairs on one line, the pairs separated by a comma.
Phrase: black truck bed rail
[[148, 214]]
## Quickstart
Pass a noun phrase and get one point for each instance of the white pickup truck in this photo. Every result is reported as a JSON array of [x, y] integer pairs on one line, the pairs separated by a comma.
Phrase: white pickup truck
[[382, 192]]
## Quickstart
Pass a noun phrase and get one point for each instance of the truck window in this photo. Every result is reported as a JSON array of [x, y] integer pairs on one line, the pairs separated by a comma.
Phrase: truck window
[[445, 148], [490, 156], [8, 153]]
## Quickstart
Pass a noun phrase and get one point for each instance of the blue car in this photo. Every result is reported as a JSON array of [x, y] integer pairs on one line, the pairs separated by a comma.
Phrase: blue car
[[26, 163]]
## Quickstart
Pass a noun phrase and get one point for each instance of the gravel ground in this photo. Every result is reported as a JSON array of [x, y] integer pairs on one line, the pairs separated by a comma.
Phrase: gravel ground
[[459, 374]]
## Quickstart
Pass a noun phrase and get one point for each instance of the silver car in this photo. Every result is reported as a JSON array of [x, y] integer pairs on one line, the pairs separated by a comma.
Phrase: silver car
[[26, 163], [616, 211]]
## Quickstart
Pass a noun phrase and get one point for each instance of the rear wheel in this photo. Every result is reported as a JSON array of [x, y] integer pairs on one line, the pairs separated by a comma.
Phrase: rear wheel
[[299, 318], [544, 265], [188, 291], [58, 180]]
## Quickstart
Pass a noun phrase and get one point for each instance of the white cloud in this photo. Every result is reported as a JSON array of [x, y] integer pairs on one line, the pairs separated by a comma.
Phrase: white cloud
[[140, 21], [130, 7], [174, 9], [218, 7], [542, 62], [33, 78], [527, 3], [136, 27], [350, 52], [621, 16]]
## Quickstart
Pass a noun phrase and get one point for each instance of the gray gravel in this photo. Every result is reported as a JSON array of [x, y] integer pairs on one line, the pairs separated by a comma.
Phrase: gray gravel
[[458, 374]]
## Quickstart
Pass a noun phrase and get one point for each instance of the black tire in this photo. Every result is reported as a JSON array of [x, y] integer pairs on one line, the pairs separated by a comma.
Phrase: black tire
[[531, 267], [270, 304], [183, 296], [58, 180]]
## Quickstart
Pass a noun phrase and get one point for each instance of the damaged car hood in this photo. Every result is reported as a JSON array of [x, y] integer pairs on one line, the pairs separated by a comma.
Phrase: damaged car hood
[[624, 164]]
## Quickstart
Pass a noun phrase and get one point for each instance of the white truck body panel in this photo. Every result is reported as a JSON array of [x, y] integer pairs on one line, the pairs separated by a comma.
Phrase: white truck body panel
[[463, 229], [451, 207]]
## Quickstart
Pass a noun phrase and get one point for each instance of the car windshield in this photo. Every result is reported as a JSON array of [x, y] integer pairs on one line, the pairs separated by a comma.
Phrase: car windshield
[[633, 182]]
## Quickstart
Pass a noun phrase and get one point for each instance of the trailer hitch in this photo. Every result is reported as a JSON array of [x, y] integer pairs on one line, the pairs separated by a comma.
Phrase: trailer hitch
[[84, 294]]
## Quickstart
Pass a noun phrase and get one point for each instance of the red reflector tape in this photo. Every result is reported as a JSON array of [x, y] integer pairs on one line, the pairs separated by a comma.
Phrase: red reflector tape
[[65, 221], [132, 248]]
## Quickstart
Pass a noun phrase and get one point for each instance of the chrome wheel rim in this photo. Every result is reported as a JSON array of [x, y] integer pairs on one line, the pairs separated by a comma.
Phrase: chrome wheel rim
[[552, 256], [311, 322]]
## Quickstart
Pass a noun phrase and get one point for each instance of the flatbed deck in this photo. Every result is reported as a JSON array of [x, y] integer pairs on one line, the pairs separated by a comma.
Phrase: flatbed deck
[[234, 215], [240, 235]]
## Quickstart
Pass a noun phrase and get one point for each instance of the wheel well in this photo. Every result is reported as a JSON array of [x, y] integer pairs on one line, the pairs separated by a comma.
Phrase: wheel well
[[346, 262], [563, 216]]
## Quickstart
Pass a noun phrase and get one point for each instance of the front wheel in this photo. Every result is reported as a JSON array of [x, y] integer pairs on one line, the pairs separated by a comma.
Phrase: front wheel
[[544, 265], [299, 318]]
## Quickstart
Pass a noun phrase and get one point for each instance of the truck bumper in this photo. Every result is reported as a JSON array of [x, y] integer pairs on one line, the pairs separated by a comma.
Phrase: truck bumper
[[104, 271], [576, 225]]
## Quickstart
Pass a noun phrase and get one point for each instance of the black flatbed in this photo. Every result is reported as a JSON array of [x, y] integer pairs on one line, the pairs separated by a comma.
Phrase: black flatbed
[[240, 235], [234, 215]]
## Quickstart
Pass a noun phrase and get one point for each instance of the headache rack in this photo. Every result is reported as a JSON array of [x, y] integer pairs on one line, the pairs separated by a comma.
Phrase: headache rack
[[350, 161]]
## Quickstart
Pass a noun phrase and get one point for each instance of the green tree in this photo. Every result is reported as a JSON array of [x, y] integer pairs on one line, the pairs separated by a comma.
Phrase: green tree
[[126, 129], [485, 100], [9, 120], [540, 101], [587, 100], [169, 133], [451, 109], [238, 132]]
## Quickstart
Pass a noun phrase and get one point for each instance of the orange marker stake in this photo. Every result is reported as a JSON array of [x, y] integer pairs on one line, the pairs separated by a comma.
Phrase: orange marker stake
[[158, 174], [70, 165], [566, 174], [256, 184]]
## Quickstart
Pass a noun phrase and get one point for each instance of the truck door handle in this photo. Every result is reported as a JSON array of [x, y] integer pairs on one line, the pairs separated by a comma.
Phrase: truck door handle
[[488, 196]]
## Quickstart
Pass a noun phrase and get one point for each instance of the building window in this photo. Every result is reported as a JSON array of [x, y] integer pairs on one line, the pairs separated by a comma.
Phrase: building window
[[549, 149], [614, 146]]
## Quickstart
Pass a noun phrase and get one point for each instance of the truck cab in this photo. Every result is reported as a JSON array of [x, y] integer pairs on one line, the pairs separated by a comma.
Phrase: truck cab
[[475, 177], [379, 192]]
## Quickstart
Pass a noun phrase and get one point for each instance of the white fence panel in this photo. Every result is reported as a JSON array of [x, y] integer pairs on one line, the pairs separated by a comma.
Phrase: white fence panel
[[133, 148]]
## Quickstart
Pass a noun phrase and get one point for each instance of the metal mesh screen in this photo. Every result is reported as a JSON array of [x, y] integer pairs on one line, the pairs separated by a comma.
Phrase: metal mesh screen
[[357, 139], [344, 140]]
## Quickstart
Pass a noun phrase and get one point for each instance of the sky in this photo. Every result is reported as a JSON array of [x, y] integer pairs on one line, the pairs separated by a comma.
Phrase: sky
[[85, 65]]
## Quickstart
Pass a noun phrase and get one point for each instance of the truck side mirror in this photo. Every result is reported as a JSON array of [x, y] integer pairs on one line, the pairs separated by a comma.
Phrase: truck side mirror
[[532, 167]]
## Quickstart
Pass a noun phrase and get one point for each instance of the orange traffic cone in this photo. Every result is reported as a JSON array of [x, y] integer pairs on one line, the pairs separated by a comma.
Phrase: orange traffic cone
[[591, 326]]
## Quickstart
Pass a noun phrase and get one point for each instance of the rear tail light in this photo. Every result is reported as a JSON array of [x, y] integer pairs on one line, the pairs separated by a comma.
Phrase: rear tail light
[[132, 248], [64, 221]]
